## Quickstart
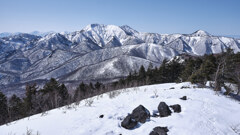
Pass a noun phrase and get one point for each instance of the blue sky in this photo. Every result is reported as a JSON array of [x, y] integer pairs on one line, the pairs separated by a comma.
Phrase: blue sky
[[220, 17]]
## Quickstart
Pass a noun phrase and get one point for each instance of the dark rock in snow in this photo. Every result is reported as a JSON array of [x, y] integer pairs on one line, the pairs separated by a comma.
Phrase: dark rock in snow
[[128, 122], [140, 114], [199, 85], [159, 131], [101, 116], [153, 133], [164, 110], [184, 98], [185, 87], [176, 108]]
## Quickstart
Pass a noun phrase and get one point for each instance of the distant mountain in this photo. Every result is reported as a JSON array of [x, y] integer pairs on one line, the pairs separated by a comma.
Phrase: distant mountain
[[96, 53], [37, 33], [233, 36], [42, 34], [6, 34]]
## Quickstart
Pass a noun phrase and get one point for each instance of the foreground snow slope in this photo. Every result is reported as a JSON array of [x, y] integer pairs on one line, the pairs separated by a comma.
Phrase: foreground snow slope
[[204, 113]]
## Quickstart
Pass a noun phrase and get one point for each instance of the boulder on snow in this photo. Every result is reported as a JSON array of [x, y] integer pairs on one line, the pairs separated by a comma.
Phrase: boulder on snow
[[199, 85], [140, 114], [128, 122], [176, 108], [164, 110], [184, 98], [159, 131], [184, 87], [101, 116]]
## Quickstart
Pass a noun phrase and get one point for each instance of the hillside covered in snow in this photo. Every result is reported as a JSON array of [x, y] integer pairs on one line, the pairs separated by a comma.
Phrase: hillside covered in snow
[[96, 53], [203, 112]]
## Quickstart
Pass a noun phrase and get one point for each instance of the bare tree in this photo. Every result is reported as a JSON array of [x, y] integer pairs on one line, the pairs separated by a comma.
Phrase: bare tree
[[219, 74]]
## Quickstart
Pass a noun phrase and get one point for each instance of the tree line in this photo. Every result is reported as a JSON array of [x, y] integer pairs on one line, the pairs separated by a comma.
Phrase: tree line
[[52, 95], [220, 68]]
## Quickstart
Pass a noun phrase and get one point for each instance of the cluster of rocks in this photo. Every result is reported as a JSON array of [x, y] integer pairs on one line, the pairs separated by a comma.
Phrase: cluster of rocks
[[141, 115]]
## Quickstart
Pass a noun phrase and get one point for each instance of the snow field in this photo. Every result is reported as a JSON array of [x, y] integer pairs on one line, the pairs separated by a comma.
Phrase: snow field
[[203, 113]]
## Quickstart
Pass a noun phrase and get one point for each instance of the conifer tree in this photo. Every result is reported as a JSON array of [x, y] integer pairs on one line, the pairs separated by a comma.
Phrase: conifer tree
[[80, 92], [150, 68], [51, 86], [121, 83], [16, 108], [174, 69], [188, 70], [91, 86], [232, 68], [206, 70], [129, 78], [63, 94], [153, 77], [162, 73], [197, 77], [98, 85], [208, 67], [30, 97], [3, 108], [142, 73], [51, 94]]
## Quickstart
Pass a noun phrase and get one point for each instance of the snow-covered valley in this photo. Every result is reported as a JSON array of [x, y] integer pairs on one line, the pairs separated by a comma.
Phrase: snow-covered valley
[[203, 113]]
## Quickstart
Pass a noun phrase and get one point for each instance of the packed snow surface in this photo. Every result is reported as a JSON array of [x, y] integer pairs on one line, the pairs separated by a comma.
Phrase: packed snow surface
[[203, 113]]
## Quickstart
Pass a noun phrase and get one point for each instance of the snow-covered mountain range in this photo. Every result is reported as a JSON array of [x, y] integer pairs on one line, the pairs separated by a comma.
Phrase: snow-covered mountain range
[[96, 53], [37, 33]]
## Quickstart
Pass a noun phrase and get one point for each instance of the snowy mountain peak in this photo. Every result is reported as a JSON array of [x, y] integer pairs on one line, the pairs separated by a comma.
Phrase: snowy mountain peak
[[129, 30], [102, 28], [53, 35], [42, 34], [101, 34], [51, 40], [200, 33], [92, 26], [24, 35]]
